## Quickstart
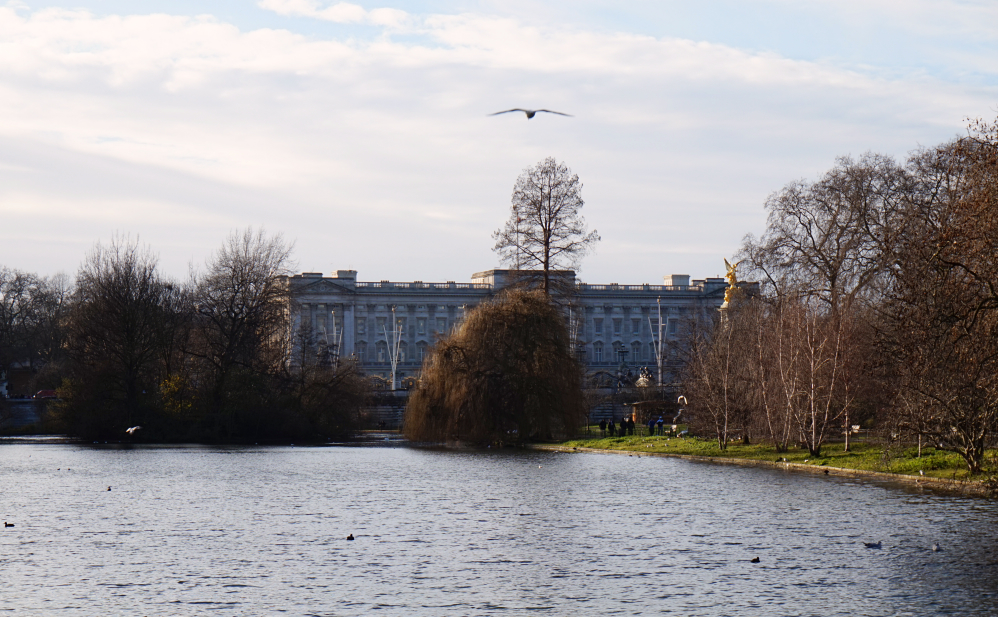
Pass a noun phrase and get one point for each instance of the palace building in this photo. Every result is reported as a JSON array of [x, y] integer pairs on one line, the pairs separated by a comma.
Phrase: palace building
[[611, 325]]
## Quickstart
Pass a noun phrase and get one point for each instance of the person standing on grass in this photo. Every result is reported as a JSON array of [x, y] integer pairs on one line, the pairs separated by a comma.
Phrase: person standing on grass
[[602, 427]]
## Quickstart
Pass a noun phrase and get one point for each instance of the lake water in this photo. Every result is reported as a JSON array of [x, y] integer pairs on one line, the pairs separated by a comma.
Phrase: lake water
[[259, 531]]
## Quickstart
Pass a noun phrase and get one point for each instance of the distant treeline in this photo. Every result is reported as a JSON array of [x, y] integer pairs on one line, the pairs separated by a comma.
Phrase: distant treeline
[[879, 307], [213, 358]]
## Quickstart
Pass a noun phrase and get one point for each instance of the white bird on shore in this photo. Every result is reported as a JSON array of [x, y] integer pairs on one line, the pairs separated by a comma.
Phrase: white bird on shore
[[133, 430], [682, 399], [531, 112]]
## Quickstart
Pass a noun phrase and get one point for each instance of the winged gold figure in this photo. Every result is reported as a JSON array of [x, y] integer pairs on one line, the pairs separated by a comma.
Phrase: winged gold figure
[[732, 278]]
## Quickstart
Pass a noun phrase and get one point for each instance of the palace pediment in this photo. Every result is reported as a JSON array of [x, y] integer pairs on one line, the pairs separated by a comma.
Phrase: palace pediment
[[322, 286]]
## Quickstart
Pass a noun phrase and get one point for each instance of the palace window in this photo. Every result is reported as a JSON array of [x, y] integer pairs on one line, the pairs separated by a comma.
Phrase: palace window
[[421, 325], [672, 325], [441, 325], [619, 353], [598, 327], [362, 326], [598, 351], [616, 326], [635, 326], [361, 351], [636, 352]]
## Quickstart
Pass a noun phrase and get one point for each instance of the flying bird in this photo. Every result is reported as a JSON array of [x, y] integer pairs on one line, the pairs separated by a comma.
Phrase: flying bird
[[531, 112], [133, 430]]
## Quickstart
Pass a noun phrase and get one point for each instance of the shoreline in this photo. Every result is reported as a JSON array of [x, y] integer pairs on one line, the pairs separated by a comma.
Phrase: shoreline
[[974, 488], [961, 487]]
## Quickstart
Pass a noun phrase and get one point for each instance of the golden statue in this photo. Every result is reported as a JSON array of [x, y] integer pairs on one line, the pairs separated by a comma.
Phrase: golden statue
[[732, 278]]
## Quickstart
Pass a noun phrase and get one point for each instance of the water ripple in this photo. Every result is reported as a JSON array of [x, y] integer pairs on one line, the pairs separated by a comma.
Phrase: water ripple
[[199, 530]]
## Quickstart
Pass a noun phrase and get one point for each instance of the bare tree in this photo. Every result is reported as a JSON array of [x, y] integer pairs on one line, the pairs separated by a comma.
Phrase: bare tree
[[18, 294], [775, 361], [712, 375], [240, 305], [115, 339], [32, 312], [825, 238], [943, 307], [822, 262], [545, 231]]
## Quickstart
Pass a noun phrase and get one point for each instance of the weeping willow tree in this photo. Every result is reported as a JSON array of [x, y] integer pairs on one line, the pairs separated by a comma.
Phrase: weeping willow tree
[[506, 375]]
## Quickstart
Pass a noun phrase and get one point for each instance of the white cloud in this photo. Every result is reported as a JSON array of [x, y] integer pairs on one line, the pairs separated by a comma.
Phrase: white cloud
[[340, 12], [378, 152], [291, 7]]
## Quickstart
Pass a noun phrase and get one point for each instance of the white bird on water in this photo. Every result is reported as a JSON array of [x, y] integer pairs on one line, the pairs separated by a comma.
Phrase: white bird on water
[[133, 430], [531, 112]]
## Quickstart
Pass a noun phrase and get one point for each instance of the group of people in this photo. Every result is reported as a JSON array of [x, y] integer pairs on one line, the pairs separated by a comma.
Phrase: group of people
[[626, 427]]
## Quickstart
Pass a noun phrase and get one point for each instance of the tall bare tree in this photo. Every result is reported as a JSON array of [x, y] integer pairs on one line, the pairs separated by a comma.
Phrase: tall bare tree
[[825, 238], [775, 360], [115, 339], [716, 373], [545, 231], [823, 262], [240, 305], [943, 308]]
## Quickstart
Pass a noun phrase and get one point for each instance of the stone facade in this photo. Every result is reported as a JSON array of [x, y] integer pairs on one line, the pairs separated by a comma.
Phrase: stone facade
[[611, 323]]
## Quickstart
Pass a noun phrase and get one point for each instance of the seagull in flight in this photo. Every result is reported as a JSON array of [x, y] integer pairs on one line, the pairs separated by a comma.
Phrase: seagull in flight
[[133, 430], [531, 112]]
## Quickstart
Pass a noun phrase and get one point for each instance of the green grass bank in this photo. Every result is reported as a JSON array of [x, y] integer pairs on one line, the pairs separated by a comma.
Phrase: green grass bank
[[935, 468]]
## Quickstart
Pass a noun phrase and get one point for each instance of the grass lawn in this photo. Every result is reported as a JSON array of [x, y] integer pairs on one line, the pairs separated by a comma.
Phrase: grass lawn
[[861, 456]]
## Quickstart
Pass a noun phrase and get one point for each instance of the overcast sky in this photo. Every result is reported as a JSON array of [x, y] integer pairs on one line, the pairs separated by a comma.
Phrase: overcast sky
[[360, 131]]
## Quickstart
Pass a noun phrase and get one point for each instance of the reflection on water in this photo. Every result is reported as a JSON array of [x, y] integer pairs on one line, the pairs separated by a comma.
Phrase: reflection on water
[[262, 530]]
